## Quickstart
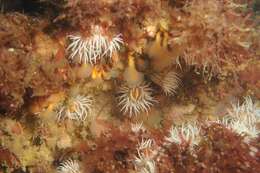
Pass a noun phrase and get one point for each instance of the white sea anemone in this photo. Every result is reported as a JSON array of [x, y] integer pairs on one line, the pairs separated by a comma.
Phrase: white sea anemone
[[134, 100], [145, 144], [187, 132], [169, 82], [144, 164], [93, 48], [242, 119], [114, 45], [243, 128], [75, 108], [249, 111], [69, 166], [137, 127]]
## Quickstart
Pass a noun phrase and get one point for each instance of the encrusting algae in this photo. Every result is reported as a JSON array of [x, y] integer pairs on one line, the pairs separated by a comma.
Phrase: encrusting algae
[[136, 86]]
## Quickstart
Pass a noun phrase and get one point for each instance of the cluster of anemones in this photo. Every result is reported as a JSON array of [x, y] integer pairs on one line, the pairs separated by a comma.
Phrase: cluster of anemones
[[135, 94], [243, 119]]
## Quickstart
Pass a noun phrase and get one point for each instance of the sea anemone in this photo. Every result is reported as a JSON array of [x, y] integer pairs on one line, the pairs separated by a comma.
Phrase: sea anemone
[[248, 110], [244, 128], [186, 133], [242, 119], [145, 144], [75, 108], [168, 81], [114, 45], [69, 166], [241, 126], [93, 48], [137, 127], [135, 95], [134, 100], [144, 164]]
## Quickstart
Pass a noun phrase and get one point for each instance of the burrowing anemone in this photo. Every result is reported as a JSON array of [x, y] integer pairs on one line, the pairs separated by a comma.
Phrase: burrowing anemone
[[135, 95]]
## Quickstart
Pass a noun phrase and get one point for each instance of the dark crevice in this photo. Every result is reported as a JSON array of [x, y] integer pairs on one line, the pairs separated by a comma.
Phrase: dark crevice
[[32, 7]]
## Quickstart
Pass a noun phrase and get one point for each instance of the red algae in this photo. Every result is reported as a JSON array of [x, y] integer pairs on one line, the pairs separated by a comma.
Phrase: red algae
[[138, 86]]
